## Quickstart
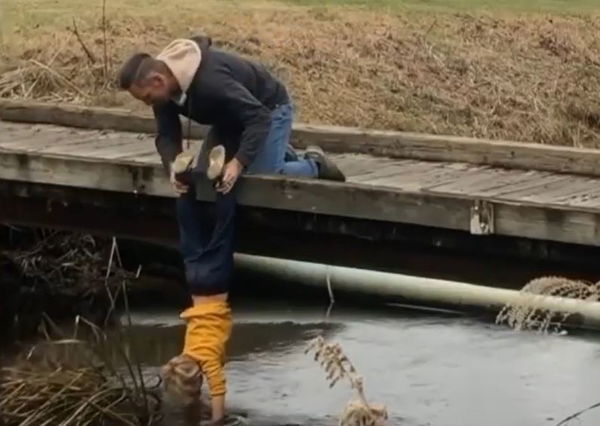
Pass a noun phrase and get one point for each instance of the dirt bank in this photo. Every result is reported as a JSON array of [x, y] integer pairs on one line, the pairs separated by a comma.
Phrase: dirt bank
[[522, 77]]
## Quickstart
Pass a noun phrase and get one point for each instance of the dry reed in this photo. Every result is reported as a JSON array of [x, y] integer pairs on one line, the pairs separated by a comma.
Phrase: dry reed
[[70, 381], [358, 411], [67, 262], [58, 274], [527, 314]]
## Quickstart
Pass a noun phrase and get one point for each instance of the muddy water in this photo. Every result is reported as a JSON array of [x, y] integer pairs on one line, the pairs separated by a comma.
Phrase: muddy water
[[428, 369]]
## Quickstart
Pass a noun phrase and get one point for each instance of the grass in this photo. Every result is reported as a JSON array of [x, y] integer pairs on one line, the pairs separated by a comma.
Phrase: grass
[[56, 13], [493, 69], [563, 6]]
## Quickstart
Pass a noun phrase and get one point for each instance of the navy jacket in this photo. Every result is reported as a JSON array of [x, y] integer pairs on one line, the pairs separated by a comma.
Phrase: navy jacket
[[233, 95]]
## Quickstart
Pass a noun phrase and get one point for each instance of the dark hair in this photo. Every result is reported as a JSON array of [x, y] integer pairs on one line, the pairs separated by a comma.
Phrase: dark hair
[[136, 69]]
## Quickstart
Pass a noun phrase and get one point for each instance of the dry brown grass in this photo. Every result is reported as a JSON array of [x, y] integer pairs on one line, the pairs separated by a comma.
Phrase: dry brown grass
[[73, 382], [527, 314], [519, 77]]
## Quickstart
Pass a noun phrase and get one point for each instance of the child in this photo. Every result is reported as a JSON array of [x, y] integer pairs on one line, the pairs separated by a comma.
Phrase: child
[[208, 258], [207, 332]]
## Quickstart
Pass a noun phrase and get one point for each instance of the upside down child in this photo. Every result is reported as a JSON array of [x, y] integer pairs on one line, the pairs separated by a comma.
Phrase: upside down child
[[250, 114]]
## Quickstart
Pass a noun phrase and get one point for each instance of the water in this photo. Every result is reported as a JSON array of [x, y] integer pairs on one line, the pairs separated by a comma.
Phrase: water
[[428, 369]]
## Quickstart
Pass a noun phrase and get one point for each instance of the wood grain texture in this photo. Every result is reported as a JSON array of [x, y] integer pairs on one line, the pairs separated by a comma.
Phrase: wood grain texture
[[409, 191], [390, 144]]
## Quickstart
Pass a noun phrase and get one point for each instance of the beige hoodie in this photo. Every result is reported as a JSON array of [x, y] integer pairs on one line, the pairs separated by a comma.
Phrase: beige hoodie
[[183, 57]]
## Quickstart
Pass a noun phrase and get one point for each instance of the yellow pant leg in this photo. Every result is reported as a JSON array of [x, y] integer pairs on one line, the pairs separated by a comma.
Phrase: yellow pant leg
[[207, 332]]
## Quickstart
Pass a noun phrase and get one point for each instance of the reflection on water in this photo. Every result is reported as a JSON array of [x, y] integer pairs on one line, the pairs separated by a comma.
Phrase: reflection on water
[[428, 370]]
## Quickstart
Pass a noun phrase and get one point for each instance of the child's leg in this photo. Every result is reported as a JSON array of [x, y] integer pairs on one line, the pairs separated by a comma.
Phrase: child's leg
[[208, 257], [209, 266]]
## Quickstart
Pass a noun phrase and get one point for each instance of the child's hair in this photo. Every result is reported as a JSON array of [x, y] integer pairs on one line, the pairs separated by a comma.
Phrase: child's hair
[[182, 378]]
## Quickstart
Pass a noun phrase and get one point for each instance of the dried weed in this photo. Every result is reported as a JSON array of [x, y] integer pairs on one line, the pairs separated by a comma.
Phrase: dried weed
[[527, 314], [358, 412], [522, 78]]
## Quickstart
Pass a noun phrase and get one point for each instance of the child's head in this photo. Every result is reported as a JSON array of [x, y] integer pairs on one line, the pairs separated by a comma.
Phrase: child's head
[[182, 378]]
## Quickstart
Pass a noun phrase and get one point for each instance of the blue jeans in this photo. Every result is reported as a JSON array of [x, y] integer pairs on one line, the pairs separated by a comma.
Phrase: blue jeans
[[208, 250], [277, 155]]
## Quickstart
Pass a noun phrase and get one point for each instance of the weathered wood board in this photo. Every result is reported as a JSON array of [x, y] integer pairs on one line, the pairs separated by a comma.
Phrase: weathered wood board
[[390, 144], [534, 204]]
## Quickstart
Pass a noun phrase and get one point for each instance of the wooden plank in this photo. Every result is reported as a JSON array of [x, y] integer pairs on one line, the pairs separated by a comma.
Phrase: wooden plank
[[84, 117], [493, 180], [378, 174], [315, 196], [526, 185], [356, 165], [534, 188], [84, 173], [273, 192], [589, 199], [77, 142], [563, 191], [151, 157], [444, 175], [43, 140], [409, 178], [100, 142], [510, 154], [554, 224], [11, 133], [126, 151]]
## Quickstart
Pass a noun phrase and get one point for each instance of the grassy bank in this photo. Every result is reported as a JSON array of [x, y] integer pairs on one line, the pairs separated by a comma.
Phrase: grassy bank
[[504, 69], [557, 6]]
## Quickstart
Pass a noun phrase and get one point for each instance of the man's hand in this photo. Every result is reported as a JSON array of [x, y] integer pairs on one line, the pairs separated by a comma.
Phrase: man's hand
[[231, 172], [180, 188]]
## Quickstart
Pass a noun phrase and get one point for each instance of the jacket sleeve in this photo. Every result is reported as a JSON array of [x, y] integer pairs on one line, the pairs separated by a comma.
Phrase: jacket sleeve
[[239, 103], [169, 135]]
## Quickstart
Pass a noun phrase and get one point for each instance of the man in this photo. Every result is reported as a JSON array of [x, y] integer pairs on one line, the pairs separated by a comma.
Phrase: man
[[249, 113]]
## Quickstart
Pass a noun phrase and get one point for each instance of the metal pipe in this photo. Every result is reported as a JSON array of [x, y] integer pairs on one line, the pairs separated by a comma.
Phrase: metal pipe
[[411, 288]]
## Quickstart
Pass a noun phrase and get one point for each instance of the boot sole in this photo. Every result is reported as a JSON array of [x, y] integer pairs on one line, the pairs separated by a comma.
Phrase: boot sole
[[182, 162], [331, 170], [216, 162]]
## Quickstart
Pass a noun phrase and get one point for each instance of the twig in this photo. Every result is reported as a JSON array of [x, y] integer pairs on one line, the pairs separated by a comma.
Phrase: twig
[[59, 76], [36, 81], [139, 368], [87, 51], [579, 413], [330, 291], [433, 24], [104, 40], [113, 249]]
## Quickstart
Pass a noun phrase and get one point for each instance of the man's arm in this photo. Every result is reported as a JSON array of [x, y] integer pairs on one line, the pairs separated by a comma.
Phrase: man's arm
[[169, 137], [239, 103]]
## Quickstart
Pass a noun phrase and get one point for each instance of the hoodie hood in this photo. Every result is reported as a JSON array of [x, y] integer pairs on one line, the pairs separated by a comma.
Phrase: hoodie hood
[[183, 57]]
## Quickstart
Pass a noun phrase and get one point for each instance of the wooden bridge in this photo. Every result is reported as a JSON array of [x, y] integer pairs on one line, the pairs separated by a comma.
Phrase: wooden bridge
[[97, 169]]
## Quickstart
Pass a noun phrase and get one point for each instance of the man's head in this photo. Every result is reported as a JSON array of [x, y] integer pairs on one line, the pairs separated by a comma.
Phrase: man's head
[[147, 79]]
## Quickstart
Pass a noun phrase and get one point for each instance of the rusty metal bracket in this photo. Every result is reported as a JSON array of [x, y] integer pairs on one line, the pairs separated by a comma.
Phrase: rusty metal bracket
[[482, 218]]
